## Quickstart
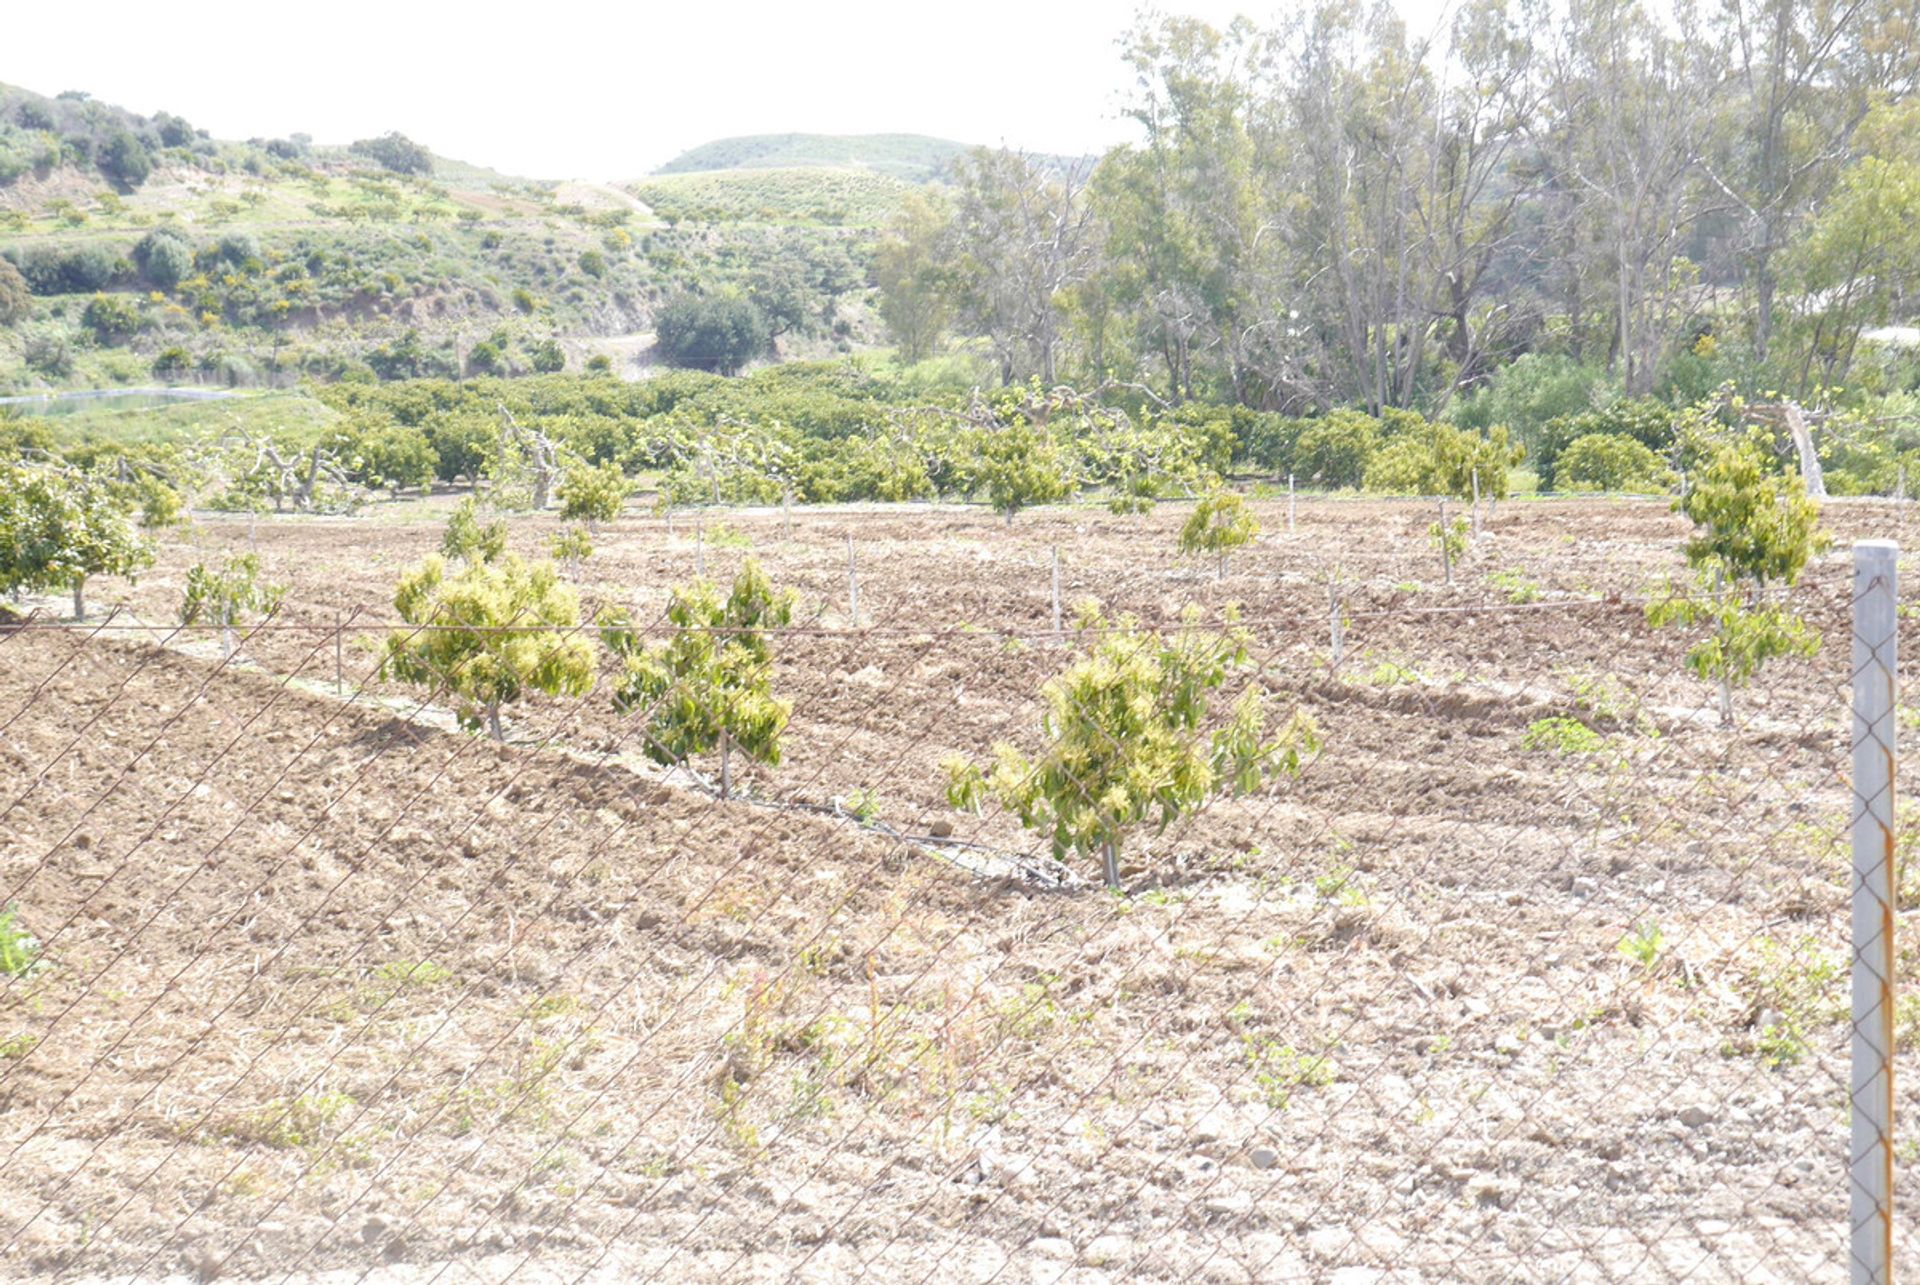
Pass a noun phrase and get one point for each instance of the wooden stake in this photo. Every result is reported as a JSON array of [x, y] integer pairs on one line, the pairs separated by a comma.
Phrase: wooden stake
[[1446, 550], [1289, 504]]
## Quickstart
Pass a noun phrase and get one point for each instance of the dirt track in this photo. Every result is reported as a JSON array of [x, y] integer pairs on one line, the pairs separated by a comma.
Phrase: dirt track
[[332, 992]]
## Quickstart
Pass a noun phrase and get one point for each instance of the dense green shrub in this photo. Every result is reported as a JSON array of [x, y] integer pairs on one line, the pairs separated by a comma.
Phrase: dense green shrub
[[164, 257], [124, 159], [1423, 458], [396, 152], [1334, 450], [711, 332], [111, 317], [1644, 420], [16, 299], [48, 349], [67, 270], [1611, 462], [1528, 392]]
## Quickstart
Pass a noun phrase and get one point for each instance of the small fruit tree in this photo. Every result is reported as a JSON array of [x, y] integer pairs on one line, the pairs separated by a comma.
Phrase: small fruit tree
[[593, 495], [571, 546], [488, 630], [468, 539], [1017, 465], [1450, 541], [1219, 524], [710, 683], [1130, 738], [1751, 533], [224, 595], [58, 529]]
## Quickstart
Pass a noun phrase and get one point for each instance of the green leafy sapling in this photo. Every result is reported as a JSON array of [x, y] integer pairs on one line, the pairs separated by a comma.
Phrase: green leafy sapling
[[467, 539], [488, 632], [570, 547], [593, 495], [1131, 736], [225, 594], [1750, 533], [1449, 540], [1018, 466], [1219, 524], [708, 684]]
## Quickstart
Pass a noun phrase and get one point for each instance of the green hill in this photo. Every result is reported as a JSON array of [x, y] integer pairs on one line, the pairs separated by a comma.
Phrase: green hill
[[153, 252], [818, 195], [915, 158]]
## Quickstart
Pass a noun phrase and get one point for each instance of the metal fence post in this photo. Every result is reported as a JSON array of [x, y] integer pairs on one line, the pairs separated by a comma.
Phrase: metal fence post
[[1056, 590], [1870, 1158], [853, 588], [1336, 628]]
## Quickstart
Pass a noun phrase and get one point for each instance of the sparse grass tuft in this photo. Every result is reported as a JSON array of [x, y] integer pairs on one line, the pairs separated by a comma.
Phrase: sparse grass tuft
[[19, 949], [1562, 736]]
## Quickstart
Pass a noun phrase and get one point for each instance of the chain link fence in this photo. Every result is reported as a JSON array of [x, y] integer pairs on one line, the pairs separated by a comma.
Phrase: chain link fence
[[1535, 971]]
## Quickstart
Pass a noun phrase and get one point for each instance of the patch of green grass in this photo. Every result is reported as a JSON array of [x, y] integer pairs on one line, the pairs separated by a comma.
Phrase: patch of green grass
[[1391, 673], [19, 949], [722, 536], [1562, 736], [1643, 945], [1797, 987], [1281, 1070], [1517, 587], [289, 1123]]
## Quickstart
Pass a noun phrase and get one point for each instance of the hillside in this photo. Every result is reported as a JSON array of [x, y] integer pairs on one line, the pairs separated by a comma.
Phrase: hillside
[[152, 251], [915, 158]]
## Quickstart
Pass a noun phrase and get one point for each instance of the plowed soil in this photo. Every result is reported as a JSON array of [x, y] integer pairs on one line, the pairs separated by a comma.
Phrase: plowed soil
[[331, 991]]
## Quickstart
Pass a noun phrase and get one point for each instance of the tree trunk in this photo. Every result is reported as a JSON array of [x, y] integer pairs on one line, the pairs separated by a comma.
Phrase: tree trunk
[[80, 598], [1110, 864], [493, 722], [726, 765], [226, 635]]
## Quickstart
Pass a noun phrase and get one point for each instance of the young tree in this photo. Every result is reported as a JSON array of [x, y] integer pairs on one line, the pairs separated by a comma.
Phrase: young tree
[[571, 547], [224, 595], [1219, 524], [59, 529], [1018, 466], [909, 266], [468, 540], [709, 684], [489, 632], [594, 495], [1751, 532], [1130, 738]]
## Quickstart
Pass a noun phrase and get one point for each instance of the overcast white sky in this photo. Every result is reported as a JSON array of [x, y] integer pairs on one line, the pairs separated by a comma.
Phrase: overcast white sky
[[604, 91]]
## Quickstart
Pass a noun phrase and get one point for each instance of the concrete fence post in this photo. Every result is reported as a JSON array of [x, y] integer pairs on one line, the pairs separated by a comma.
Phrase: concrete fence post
[[1875, 688]]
